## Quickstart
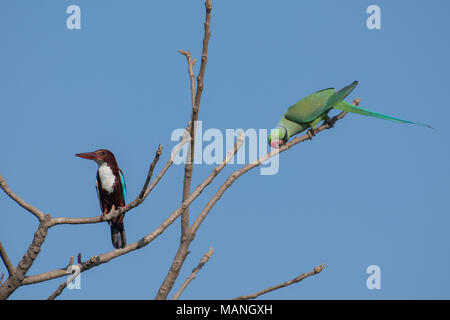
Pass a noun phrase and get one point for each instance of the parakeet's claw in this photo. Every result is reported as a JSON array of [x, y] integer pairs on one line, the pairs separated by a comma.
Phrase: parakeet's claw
[[310, 133], [329, 123]]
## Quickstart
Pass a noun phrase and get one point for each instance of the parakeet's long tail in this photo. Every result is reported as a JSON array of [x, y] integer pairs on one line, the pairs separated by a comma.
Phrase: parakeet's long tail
[[118, 235], [345, 106]]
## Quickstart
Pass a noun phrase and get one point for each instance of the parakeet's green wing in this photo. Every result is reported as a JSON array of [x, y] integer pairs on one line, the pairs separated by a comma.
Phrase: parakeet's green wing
[[310, 107], [345, 106], [340, 95]]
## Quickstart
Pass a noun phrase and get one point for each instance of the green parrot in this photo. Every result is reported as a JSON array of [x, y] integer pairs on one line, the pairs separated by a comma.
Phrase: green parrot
[[313, 109]]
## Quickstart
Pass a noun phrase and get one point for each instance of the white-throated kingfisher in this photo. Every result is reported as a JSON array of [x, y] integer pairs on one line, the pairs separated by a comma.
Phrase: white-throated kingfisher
[[111, 190]]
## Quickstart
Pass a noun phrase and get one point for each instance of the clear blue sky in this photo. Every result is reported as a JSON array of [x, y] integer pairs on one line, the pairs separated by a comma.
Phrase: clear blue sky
[[368, 192]]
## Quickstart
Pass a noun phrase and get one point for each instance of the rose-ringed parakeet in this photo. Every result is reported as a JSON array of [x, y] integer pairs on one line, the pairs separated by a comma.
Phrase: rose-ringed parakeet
[[313, 109]]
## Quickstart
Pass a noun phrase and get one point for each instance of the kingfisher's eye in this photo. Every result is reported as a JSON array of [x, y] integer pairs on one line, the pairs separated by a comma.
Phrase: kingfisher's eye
[[102, 153]]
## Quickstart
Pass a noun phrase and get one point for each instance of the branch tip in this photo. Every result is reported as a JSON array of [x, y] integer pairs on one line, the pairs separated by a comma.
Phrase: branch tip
[[194, 273]]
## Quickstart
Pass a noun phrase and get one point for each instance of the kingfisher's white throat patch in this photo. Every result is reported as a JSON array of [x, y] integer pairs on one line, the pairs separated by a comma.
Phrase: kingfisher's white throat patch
[[107, 177]]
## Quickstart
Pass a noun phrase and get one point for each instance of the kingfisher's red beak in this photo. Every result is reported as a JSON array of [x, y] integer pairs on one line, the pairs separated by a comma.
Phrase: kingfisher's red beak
[[87, 155]]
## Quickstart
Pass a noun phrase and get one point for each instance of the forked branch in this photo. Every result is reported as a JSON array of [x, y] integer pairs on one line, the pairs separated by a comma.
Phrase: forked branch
[[301, 277], [192, 276]]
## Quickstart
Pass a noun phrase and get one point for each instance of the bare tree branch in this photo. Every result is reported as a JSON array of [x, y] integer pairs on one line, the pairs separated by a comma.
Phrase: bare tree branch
[[301, 277], [194, 117], [191, 62], [188, 168], [15, 280], [192, 276], [6, 261], [150, 172], [58, 291], [185, 241], [62, 286], [36, 212], [183, 251], [186, 138], [204, 59], [45, 276]]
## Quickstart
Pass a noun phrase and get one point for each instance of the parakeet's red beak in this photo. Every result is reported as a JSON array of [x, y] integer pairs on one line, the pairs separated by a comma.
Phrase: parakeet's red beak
[[87, 155], [275, 144]]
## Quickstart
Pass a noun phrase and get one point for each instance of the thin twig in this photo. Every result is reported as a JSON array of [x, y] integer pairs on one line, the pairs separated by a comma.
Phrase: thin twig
[[186, 138], [192, 276], [191, 62], [301, 277], [188, 168], [204, 59], [70, 262], [150, 171], [63, 285], [6, 261], [58, 291], [88, 264], [35, 211]]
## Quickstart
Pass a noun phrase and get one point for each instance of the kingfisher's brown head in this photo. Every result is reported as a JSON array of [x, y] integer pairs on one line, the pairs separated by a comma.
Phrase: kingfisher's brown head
[[100, 156]]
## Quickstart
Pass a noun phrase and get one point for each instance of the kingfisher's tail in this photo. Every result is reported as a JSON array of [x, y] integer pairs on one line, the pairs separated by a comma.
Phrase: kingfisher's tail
[[118, 235]]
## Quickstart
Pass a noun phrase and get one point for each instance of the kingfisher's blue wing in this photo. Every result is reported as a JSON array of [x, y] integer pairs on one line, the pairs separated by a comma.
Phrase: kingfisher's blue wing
[[124, 187]]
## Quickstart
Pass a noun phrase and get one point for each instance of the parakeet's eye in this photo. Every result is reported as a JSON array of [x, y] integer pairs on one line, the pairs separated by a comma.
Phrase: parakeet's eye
[[277, 134], [277, 137]]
